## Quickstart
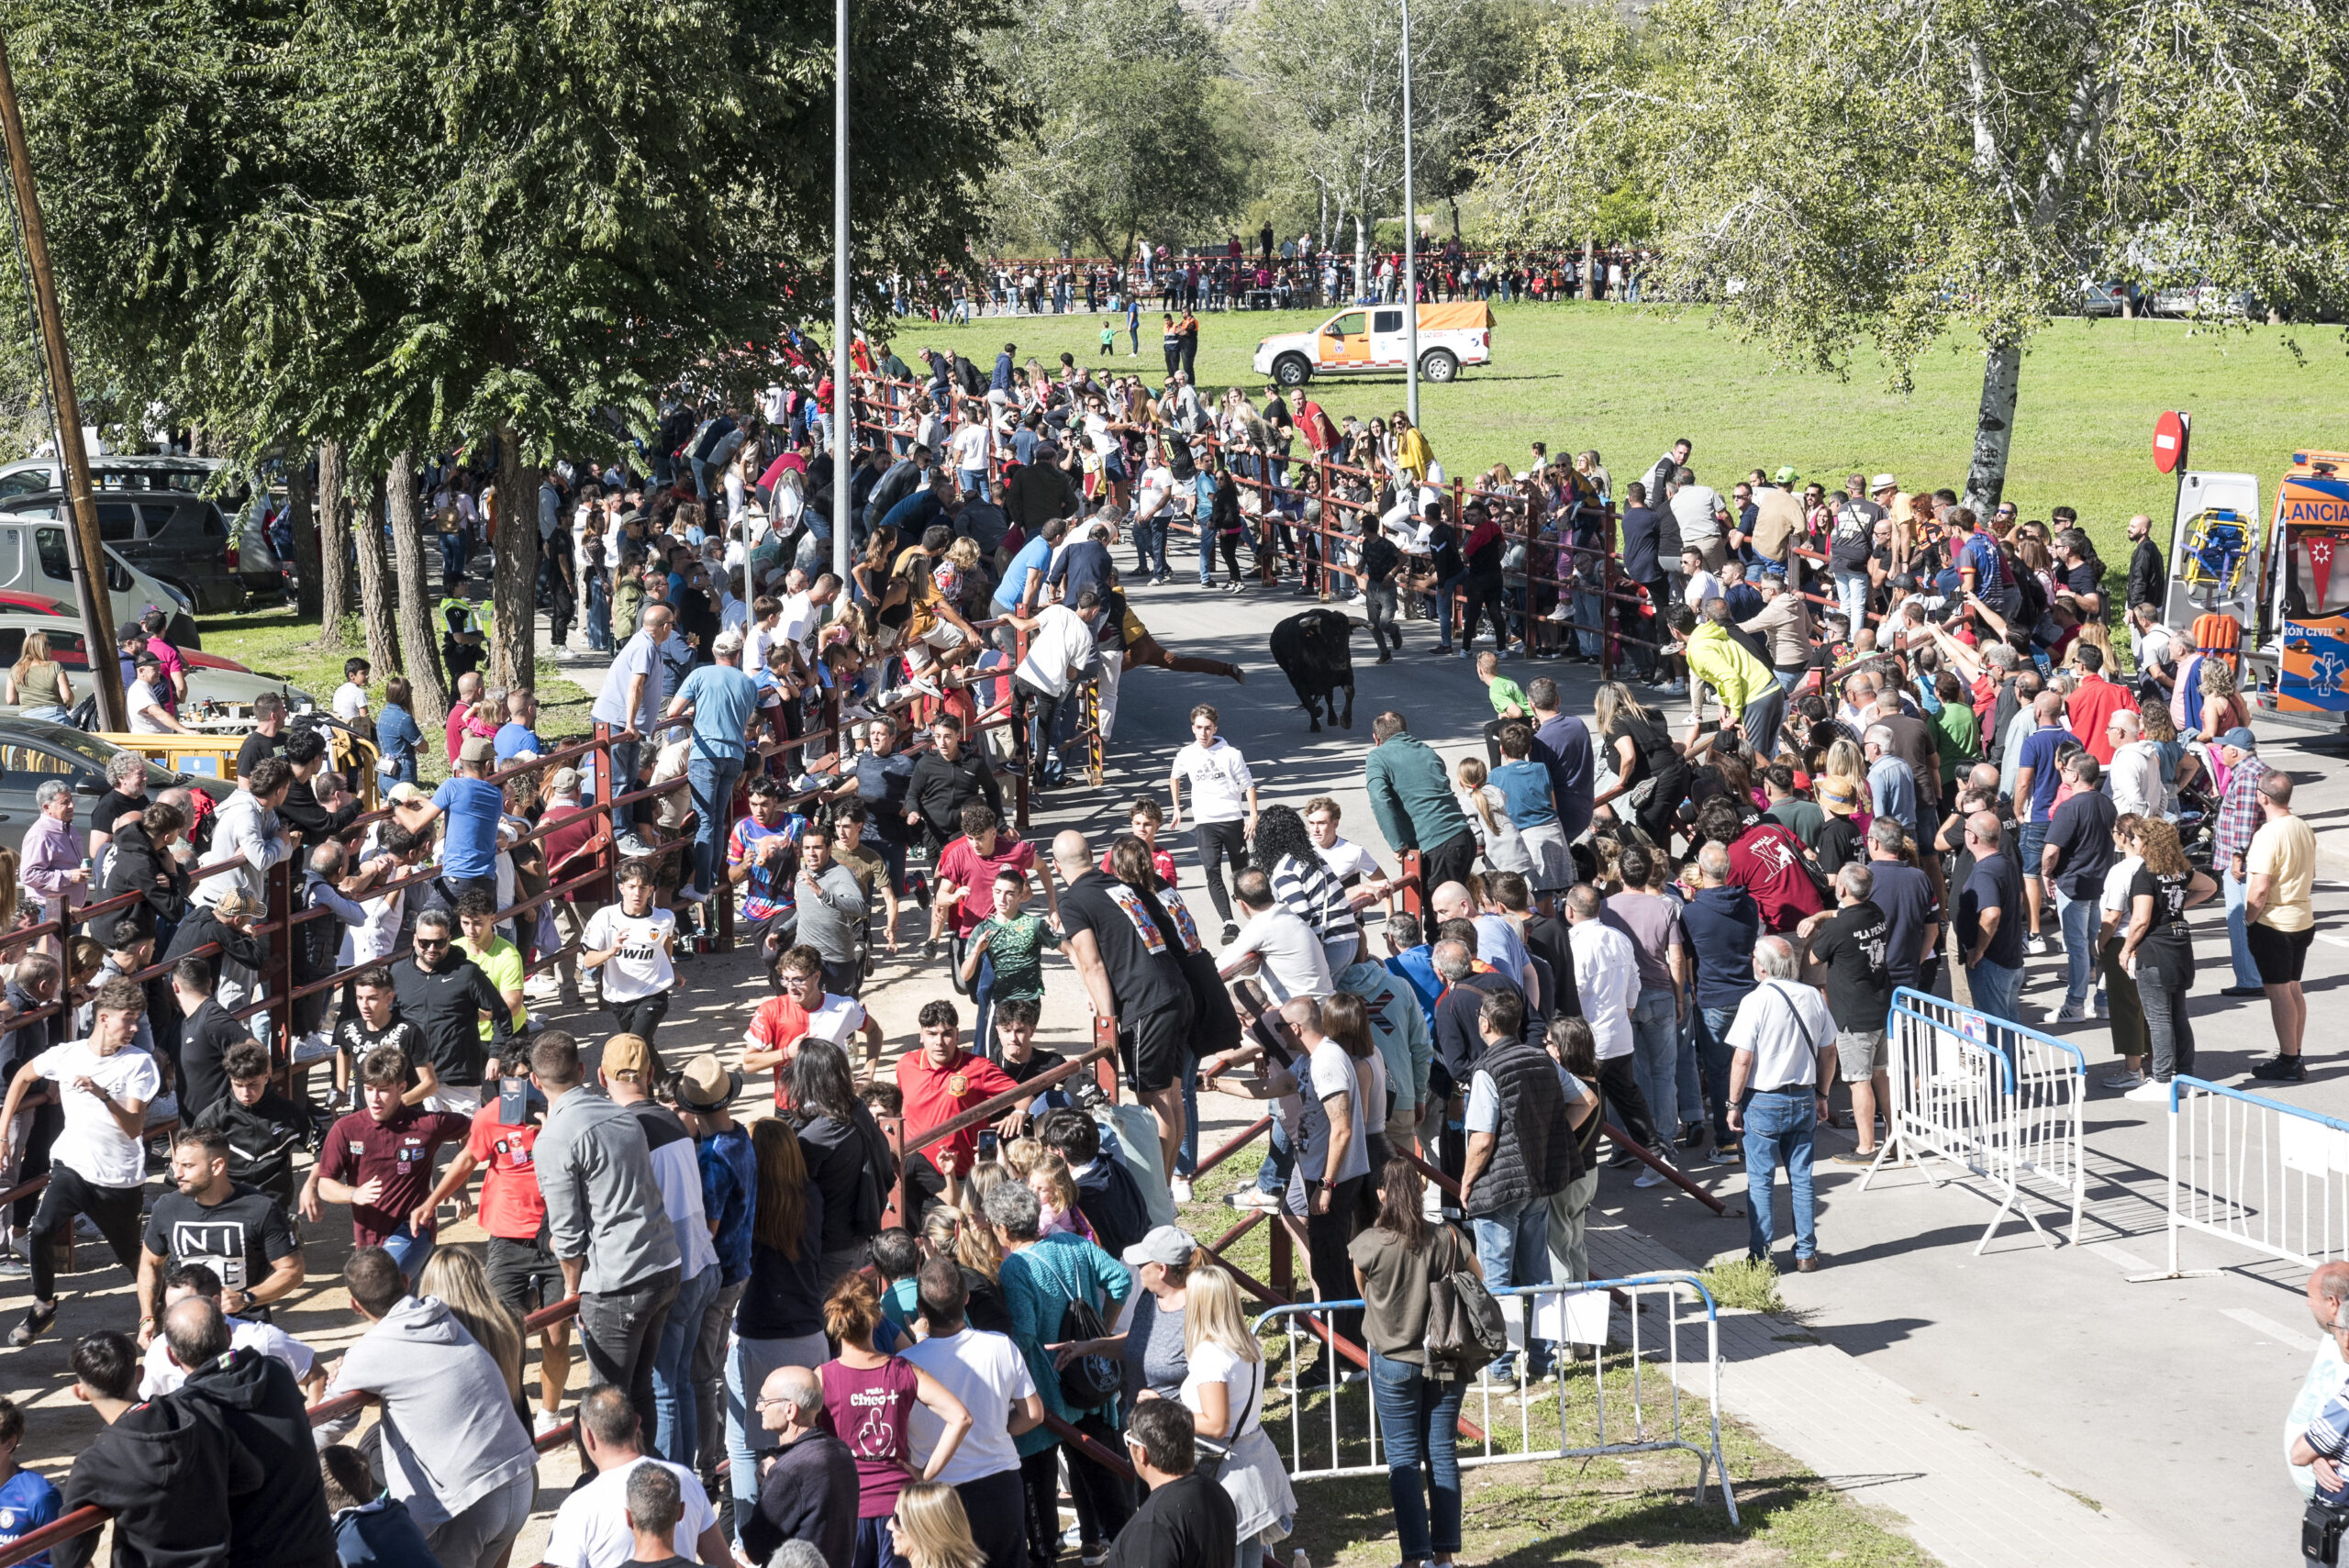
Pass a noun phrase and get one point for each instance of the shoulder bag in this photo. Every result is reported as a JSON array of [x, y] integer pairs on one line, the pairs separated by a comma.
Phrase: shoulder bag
[[1465, 1329]]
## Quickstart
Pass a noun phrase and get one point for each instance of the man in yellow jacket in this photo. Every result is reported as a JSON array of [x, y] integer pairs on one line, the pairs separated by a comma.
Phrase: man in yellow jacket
[[1749, 692]]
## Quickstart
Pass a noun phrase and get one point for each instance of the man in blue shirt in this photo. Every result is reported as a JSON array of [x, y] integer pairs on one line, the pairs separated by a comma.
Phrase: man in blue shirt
[[2036, 779], [474, 806], [722, 700], [1022, 588], [516, 736]]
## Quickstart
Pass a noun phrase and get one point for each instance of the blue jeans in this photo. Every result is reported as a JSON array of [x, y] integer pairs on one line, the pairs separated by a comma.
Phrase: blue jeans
[[1713, 1056], [1655, 1053], [409, 1251], [748, 1362], [1149, 543], [1439, 610], [624, 761], [1588, 623], [1852, 597], [2080, 918], [1273, 1176], [981, 1006], [1778, 1128], [973, 482], [676, 1406], [1998, 988], [599, 616], [1186, 1155], [1688, 1082], [1513, 1248], [1419, 1420], [453, 560], [712, 781], [2238, 943]]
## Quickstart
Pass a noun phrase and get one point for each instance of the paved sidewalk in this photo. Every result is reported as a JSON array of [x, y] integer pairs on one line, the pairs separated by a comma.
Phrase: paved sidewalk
[[1965, 1500]]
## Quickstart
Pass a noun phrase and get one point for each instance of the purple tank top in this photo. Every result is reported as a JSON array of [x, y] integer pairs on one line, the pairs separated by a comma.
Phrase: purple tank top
[[870, 1409]]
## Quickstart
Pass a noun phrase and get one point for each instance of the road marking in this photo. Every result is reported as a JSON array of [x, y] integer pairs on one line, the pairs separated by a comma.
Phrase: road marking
[[2259, 1323], [2334, 938], [2129, 1262]]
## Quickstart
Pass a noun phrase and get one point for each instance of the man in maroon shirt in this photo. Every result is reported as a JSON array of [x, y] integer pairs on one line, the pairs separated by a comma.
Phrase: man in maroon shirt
[[1768, 861], [379, 1161], [966, 872]]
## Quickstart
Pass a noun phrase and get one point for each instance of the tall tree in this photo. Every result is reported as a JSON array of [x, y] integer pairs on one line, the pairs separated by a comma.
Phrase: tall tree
[[378, 592], [1121, 139], [334, 532], [1834, 173], [419, 626]]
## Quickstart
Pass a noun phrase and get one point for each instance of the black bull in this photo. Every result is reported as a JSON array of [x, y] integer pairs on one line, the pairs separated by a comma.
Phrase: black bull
[[1315, 650]]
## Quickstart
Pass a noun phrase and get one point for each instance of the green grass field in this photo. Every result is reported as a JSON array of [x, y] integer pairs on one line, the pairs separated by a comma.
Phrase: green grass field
[[1625, 381]]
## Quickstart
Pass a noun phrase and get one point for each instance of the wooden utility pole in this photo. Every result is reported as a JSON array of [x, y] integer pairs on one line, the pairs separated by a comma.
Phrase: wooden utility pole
[[85, 551]]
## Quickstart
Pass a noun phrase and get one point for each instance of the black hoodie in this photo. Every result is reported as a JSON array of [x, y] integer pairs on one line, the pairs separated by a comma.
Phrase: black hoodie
[[164, 1474], [280, 1520]]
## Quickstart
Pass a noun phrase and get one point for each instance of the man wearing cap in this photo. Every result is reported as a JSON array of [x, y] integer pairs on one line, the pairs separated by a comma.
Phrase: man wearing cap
[[1783, 625], [474, 808], [630, 1070], [2240, 819], [729, 1190], [721, 700], [1777, 524]]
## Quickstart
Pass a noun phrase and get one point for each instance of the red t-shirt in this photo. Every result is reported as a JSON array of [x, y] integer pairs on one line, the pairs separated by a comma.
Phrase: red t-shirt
[[1160, 861], [1766, 860], [934, 1095], [457, 718], [2090, 708], [511, 1205], [966, 868], [399, 1153]]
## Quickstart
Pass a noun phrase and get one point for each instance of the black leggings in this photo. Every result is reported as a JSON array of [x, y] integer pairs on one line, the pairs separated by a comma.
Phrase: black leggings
[[1621, 1086], [114, 1209], [1226, 840], [1482, 599], [1229, 543]]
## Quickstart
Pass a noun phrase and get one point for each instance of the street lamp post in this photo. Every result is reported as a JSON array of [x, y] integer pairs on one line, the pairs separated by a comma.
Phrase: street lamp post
[[1411, 242], [843, 362]]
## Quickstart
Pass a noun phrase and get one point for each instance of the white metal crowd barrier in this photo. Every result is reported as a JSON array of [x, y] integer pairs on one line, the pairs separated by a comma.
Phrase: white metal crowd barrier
[[1991, 1097], [1334, 1419], [2256, 1172]]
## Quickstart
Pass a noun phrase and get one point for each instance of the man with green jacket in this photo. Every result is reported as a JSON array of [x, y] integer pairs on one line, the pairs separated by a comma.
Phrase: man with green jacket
[[1747, 689], [1413, 802]]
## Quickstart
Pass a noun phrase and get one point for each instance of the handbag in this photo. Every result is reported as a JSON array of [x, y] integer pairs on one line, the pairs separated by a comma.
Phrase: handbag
[[1213, 1451], [1465, 1328]]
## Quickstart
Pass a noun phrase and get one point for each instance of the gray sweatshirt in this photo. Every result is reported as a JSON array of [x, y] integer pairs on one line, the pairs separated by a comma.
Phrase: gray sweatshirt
[[243, 827], [450, 1436], [596, 1172]]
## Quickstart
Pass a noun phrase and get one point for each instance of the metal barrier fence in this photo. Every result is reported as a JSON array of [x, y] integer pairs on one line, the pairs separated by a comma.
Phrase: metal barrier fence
[[1994, 1098], [2256, 1172], [1333, 1423]]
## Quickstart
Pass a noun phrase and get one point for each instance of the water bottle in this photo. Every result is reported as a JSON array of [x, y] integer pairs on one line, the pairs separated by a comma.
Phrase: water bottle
[[1300, 1559]]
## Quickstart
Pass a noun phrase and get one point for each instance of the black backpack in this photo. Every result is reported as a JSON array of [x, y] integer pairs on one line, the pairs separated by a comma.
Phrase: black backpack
[[1088, 1383]]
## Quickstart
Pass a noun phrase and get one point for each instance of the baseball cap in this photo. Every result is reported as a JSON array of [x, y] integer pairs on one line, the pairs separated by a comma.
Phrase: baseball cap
[[566, 781], [404, 792], [1169, 1244], [1787, 474], [1838, 795], [477, 749], [2241, 739], [705, 1083], [1883, 481], [729, 642], [629, 1053]]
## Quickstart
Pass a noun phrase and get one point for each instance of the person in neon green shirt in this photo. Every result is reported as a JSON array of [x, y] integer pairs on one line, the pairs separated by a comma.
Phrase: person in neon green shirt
[[493, 954], [1745, 686], [1509, 701]]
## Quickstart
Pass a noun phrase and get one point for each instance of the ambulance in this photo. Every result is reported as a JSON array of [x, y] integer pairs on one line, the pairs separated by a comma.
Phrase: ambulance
[[1372, 339], [2304, 616]]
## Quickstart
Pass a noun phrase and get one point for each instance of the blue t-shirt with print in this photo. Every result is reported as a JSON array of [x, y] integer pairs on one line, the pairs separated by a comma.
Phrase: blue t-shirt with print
[[28, 1501], [473, 807], [730, 1192]]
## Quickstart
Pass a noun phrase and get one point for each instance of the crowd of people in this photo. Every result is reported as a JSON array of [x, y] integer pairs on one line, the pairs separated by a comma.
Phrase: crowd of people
[[1881, 742]]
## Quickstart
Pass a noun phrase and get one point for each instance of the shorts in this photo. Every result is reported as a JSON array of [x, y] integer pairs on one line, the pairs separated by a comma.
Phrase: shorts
[[944, 636], [1861, 1052], [2030, 838], [1157, 1049], [523, 1274], [2278, 955]]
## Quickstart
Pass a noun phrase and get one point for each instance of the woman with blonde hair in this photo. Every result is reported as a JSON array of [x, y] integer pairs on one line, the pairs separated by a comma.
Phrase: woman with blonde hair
[[1224, 1388], [37, 685], [455, 1276], [930, 1530], [870, 1396], [1650, 775], [1487, 812]]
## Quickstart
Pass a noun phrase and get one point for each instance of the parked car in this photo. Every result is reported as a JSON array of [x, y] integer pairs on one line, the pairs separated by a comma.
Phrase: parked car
[[147, 509], [33, 561], [2205, 301], [33, 752], [211, 678], [2103, 299]]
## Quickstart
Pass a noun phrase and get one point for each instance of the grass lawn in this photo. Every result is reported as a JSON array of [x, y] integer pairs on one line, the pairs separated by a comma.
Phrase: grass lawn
[[1627, 379], [1608, 1512]]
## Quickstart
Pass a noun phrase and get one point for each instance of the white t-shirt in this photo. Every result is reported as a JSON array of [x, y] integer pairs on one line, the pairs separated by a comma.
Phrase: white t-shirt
[[637, 657], [1243, 1387], [1293, 962], [144, 697], [350, 701], [1097, 431], [1694, 507], [797, 625], [988, 1375], [591, 1528], [161, 1374], [1784, 1024], [641, 966], [1332, 1071], [1220, 780], [1345, 858], [92, 1144], [969, 446], [1703, 585]]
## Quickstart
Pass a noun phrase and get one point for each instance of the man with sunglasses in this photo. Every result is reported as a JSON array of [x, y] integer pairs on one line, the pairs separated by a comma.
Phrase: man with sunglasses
[[446, 996]]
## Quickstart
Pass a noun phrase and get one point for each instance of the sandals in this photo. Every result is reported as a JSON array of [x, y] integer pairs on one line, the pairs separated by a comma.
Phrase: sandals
[[37, 1321]]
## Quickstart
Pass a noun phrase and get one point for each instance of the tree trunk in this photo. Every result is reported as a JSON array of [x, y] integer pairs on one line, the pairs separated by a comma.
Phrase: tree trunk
[[378, 603], [301, 502], [1994, 426], [1361, 257], [1590, 269], [514, 575], [333, 507], [416, 620]]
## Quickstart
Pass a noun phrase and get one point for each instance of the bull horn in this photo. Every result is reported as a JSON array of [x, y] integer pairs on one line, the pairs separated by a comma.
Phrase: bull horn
[[1355, 623]]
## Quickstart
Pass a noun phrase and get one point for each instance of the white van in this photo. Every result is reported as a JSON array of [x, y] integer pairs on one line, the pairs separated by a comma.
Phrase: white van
[[33, 561]]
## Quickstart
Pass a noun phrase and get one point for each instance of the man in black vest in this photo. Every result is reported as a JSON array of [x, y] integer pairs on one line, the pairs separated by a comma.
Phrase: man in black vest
[[1520, 1150]]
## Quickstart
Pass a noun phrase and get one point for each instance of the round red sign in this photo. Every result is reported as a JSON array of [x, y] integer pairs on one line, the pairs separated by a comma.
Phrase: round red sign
[[2169, 441]]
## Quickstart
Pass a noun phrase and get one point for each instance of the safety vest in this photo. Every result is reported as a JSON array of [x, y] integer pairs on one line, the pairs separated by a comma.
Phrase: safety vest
[[480, 617]]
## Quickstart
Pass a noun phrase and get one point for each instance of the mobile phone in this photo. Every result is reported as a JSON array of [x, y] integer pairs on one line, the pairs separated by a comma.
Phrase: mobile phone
[[513, 1101]]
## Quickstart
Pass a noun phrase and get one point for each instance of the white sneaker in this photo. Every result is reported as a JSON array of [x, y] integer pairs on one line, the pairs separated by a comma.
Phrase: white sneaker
[[2124, 1079], [2069, 1013], [2149, 1091], [2035, 946], [1650, 1177], [1254, 1197], [692, 896], [543, 1421], [1180, 1189], [631, 845]]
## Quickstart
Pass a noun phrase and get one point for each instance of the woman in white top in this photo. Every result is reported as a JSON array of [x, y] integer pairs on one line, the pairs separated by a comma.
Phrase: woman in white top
[[1224, 1391], [2130, 1039], [1487, 812]]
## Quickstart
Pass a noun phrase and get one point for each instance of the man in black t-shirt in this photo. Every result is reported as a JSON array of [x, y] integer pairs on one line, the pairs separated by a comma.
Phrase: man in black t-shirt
[[1990, 921], [2079, 853], [237, 1232], [264, 1127], [1129, 956], [1851, 942], [1188, 1521], [1380, 561], [267, 738], [377, 1022]]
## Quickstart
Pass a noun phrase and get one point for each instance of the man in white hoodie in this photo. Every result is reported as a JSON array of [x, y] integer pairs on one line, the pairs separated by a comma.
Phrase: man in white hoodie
[[454, 1451]]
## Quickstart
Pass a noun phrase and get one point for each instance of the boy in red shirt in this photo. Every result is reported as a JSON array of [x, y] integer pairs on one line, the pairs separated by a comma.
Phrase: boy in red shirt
[[940, 1082], [966, 872]]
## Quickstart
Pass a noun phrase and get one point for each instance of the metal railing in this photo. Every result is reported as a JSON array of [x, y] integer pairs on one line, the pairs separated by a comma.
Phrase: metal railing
[[1333, 1420], [2266, 1176]]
